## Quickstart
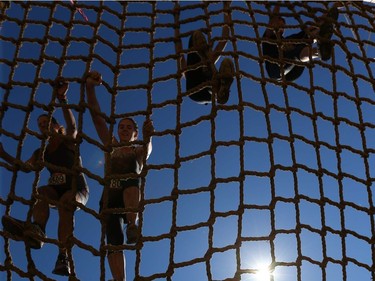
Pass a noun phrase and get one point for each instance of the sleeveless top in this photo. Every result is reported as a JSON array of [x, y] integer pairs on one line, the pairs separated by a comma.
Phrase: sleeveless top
[[126, 162], [63, 156]]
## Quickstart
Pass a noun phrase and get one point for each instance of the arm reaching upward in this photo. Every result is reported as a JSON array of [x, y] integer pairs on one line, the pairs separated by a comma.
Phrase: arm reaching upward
[[143, 152], [62, 88], [94, 79]]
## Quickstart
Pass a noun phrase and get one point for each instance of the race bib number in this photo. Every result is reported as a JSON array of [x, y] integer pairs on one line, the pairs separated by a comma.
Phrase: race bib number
[[57, 179], [115, 183]]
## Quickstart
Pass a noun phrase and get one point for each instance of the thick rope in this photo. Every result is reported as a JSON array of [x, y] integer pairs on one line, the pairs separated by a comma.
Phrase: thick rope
[[107, 30]]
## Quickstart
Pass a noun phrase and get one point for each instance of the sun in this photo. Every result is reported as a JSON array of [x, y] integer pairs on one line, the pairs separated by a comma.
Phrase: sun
[[264, 273]]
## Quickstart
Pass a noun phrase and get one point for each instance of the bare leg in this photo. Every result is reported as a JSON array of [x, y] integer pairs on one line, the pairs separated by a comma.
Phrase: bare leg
[[65, 229], [66, 217], [131, 200], [41, 208], [117, 264]]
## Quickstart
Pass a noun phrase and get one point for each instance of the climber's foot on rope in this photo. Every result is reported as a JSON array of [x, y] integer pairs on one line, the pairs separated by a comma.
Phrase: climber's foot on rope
[[23, 231], [132, 234], [226, 77], [325, 34], [62, 266], [33, 234], [14, 227]]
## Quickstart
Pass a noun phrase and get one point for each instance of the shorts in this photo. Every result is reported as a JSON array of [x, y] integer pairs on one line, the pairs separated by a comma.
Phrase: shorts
[[115, 222], [82, 189]]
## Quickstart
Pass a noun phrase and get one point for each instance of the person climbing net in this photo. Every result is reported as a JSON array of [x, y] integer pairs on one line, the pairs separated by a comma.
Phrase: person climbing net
[[289, 55]]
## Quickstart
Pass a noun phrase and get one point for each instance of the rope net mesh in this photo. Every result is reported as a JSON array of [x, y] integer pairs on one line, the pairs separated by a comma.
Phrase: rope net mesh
[[281, 174]]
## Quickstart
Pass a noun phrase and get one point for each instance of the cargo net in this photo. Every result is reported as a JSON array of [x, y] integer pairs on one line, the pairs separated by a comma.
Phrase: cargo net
[[280, 176]]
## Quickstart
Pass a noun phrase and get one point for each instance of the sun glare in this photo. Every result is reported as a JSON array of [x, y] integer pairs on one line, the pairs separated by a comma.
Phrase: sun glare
[[264, 273]]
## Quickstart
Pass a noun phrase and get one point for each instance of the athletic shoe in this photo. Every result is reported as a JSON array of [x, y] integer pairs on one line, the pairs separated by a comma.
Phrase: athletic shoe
[[33, 234], [325, 34], [201, 47], [132, 234], [62, 266], [226, 77], [13, 226], [23, 231], [200, 44]]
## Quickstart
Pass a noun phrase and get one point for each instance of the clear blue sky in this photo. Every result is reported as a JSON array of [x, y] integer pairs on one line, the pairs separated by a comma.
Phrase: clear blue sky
[[243, 119]]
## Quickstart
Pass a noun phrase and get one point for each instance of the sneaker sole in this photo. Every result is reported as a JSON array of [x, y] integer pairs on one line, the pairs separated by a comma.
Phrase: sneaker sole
[[200, 44], [14, 226], [30, 239], [226, 75], [19, 231], [132, 235], [226, 70], [61, 272]]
